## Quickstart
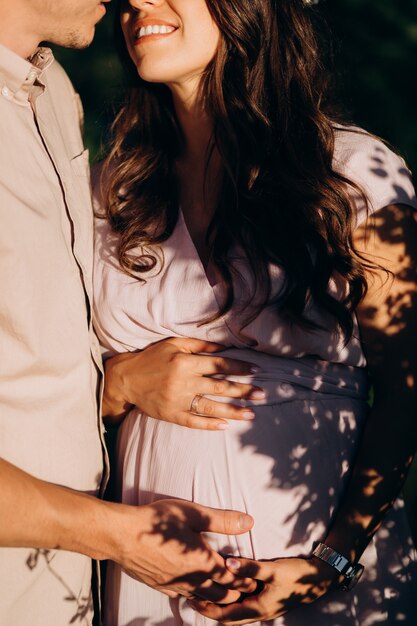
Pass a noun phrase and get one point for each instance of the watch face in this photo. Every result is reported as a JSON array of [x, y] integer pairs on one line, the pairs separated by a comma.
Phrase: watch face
[[353, 579]]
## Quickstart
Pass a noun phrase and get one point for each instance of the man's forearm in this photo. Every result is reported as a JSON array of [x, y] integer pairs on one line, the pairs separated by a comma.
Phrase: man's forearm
[[150, 542], [38, 514]]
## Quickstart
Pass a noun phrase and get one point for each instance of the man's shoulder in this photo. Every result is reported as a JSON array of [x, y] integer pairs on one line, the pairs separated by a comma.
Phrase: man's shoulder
[[57, 80], [63, 97]]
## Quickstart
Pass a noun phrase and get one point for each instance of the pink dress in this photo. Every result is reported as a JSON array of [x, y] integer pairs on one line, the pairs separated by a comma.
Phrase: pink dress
[[288, 468]]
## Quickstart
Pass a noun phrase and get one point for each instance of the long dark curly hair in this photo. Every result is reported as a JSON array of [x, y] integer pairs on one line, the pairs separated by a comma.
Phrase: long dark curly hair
[[281, 199]]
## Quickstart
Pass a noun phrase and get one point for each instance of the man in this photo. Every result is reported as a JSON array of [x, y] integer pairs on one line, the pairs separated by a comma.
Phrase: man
[[51, 443]]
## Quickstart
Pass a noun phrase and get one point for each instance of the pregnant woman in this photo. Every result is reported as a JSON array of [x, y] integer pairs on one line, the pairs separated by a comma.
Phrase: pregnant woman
[[237, 208]]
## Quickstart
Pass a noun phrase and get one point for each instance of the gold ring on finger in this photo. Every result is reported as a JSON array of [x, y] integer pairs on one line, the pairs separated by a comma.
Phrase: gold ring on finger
[[194, 403]]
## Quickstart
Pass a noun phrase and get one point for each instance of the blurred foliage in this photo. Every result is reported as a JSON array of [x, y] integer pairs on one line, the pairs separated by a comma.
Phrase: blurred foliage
[[375, 54], [375, 62]]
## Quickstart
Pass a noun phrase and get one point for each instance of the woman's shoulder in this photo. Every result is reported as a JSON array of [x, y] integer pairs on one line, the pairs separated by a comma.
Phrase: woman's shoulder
[[369, 163]]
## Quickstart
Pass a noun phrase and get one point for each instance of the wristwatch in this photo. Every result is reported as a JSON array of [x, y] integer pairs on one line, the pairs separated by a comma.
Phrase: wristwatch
[[351, 571]]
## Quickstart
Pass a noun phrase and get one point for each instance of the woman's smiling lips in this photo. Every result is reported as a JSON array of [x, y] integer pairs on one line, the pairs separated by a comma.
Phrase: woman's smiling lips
[[152, 29]]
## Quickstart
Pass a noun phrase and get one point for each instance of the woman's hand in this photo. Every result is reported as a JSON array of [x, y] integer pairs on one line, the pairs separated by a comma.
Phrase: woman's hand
[[164, 379], [284, 584]]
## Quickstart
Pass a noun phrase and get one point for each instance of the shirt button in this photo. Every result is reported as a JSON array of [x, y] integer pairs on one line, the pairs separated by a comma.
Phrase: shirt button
[[32, 76], [5, 91]]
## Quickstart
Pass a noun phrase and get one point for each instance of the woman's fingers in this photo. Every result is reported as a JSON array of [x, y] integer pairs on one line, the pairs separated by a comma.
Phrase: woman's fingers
[[211, 365], [199, 422], [249, 568], [221, 410], [244, 585], [229, 389], [212, 415], [195, 346]]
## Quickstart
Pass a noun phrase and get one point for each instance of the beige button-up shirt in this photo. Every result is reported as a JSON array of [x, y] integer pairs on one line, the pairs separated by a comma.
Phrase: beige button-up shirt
[[49, 357]]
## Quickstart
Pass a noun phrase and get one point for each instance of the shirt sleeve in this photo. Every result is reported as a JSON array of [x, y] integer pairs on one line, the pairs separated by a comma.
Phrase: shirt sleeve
[[379, 172]]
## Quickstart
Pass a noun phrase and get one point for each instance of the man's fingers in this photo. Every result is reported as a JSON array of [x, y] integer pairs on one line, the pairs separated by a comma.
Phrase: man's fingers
[[239, 613], [226, 522], [247, 568], [169, 593]]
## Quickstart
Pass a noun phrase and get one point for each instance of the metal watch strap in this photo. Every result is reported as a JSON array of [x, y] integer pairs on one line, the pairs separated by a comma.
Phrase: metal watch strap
[[351, 571]]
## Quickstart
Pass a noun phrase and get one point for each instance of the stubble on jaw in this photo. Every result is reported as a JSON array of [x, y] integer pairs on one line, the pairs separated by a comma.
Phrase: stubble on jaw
[[64, 25], [73, 39]]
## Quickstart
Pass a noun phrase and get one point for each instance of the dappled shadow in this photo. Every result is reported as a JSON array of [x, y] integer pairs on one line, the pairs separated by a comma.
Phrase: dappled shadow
[[82, 606], [38, 560], [318, 456]]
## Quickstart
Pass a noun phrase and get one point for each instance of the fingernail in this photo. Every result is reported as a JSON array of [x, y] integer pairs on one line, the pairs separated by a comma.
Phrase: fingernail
[[222, 426], [248, 414], [233, 564], [257, 395], [245, 522], [255, 369]]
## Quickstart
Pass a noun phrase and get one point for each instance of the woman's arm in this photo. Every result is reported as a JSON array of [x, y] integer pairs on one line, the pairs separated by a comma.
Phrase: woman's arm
[[163, 380], [388, 325]]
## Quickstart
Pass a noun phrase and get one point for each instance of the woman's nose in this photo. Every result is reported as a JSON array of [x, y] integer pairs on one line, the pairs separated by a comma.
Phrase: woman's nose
[[144, 4]]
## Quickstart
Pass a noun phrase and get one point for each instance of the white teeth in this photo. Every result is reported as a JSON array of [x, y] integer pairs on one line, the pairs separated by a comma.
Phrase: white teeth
[[156, 29]]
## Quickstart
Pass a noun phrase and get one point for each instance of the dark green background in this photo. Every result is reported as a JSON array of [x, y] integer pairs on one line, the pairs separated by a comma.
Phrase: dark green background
[[375, 60]]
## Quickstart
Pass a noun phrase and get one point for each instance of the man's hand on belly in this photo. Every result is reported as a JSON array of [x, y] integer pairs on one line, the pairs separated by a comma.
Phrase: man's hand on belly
[[162, 545]]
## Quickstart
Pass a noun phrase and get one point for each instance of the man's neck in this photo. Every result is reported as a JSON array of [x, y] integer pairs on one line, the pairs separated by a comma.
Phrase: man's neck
[[14, 35]]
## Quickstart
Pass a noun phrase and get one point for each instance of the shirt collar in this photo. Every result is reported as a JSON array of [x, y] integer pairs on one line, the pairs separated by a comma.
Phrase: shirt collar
[[20, 77]]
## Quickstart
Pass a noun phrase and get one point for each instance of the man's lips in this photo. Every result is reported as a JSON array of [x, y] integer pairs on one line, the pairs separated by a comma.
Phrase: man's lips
[[102, 7]]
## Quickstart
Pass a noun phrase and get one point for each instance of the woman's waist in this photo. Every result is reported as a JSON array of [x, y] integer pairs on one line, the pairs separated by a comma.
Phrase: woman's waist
[[287, 379]]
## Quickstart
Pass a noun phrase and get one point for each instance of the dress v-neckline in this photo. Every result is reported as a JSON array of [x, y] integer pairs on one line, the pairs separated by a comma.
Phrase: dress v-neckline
[[205, 270]]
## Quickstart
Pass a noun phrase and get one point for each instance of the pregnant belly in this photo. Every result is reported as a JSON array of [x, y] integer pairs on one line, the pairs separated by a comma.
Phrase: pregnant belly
[[287, 468]]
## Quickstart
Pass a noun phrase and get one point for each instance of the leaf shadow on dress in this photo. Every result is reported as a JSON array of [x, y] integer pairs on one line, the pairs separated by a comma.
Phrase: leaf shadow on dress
[[314, 450]]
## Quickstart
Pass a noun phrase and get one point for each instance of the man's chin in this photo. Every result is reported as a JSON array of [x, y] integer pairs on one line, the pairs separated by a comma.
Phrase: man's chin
[[75, 41]]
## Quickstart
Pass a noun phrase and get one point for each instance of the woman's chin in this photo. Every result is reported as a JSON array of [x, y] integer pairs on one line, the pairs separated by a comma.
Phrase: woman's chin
[[152, 76]]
